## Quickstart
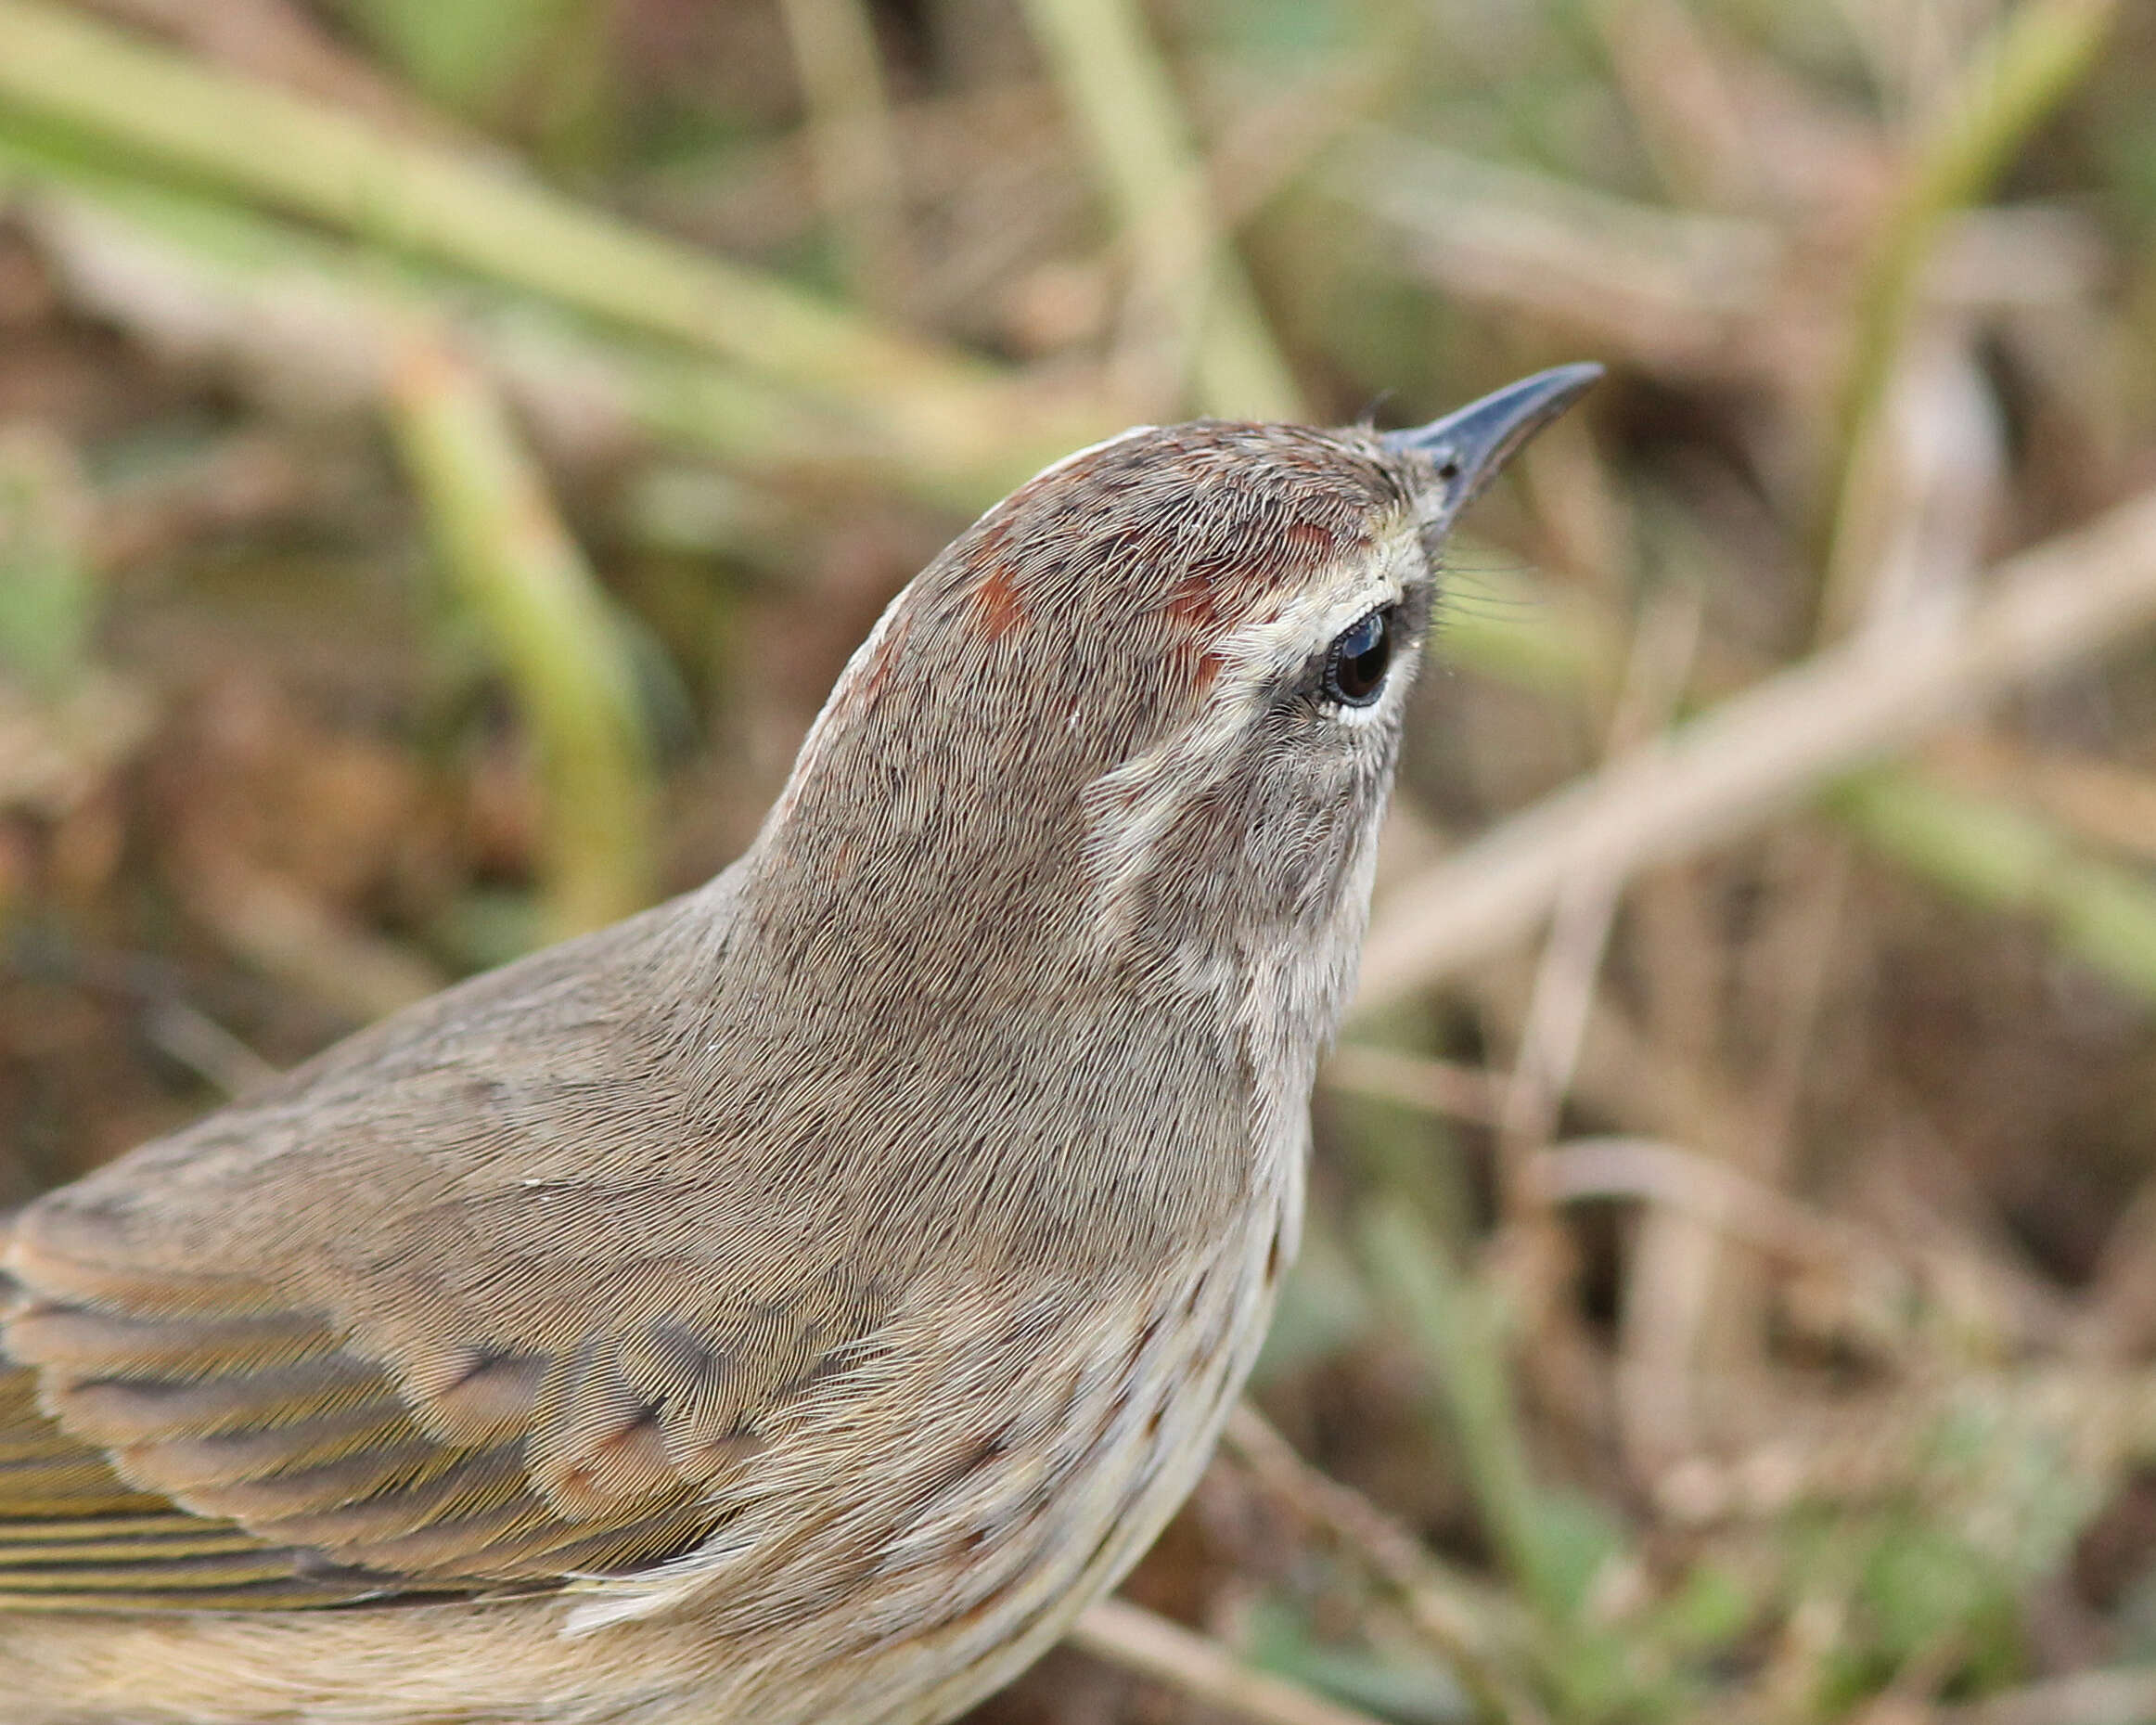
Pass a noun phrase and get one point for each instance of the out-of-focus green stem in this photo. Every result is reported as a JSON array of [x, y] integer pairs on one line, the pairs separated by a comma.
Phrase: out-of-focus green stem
[[545, 618], [1990, 851], [2035, 57], [48, 593], [247, 274], [849, 135], [2001, 858], [1117, 89], [1520, 628], [333, 167], [714, 408], [1456, 1324]]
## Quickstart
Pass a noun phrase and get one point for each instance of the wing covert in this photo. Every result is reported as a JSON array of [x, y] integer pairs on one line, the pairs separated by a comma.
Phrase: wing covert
[[184, 1441]]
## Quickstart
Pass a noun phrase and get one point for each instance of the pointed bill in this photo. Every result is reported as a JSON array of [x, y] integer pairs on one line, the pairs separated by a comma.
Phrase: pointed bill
[[1469, 445]]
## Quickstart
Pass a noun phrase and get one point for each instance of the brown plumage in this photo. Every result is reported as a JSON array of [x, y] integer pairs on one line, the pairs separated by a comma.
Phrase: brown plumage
[[797, 1301]]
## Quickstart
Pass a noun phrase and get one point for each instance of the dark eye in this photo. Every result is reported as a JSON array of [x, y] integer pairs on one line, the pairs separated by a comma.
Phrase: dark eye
[[1354, 669]]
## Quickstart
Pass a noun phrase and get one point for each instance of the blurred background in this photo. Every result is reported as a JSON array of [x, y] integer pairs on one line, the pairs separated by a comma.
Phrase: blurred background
[[448, 450]]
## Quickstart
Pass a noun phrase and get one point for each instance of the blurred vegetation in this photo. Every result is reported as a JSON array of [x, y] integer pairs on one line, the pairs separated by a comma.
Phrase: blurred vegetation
[[446, 451]]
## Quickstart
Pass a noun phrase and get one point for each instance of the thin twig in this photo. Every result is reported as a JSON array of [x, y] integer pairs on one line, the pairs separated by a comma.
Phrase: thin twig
[[290, 936], [2037, 55], [2123, 1695], [1103, 60], [2005, 859], [1536, 1255], [1703, 1186], [301, 322], [1477, 1635], [1388, 1076], [1138, 1641], [200, 1043], [1549, 1040], [264, 143], [1688, 1307], [1758, 753]]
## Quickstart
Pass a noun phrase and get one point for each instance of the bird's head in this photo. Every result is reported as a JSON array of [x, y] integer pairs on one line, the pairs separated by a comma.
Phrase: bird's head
[[1147, 707]]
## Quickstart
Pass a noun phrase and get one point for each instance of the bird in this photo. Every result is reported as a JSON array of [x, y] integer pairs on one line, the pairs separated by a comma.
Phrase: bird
[[797, 1301]]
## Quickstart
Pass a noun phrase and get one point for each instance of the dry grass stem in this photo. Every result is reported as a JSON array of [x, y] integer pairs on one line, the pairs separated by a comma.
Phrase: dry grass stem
[[2125, 1696], [1732, 1204], [1557, 1011], [335, 168], [851, 140], [284, 44], [1535, 1254], [1103, 60], [290, 936], [301, 328], [1191, 1665], [1682, 294], [1387, 1076], [2101, 802], [2036, 54], [1760, 752], [1479, 1634]]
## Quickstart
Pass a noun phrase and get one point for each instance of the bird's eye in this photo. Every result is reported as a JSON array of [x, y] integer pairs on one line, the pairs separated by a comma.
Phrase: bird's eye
[[1354, 669]]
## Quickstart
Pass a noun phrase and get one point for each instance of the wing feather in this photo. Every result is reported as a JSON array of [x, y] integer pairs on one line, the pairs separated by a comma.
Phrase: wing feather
[[190, 1452], [478, 1300]]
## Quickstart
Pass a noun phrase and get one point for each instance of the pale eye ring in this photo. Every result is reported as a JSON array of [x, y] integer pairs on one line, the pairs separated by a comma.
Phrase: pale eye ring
[[1358, 659]]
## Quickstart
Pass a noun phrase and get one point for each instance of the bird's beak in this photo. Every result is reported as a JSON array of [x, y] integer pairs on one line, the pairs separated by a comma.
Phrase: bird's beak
[[1467, 448]]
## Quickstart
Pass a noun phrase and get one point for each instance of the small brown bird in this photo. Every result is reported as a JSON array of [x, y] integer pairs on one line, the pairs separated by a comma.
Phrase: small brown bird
[[796, 1303]]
